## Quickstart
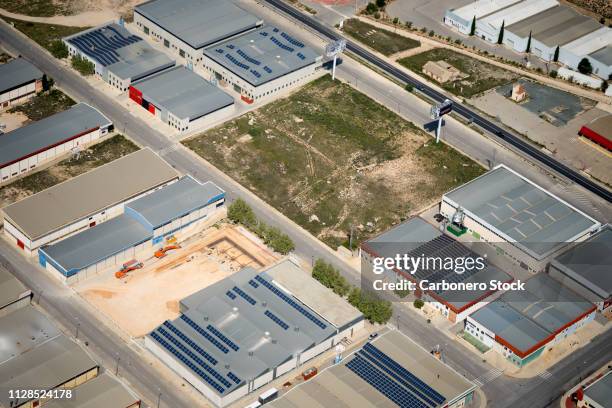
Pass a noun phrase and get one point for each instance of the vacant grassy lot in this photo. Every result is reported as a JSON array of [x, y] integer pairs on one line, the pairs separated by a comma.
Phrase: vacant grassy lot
[[97, 155], [482, 76], [36, 8], [44, 104], [330, 158], [383, 41], [43, 34]]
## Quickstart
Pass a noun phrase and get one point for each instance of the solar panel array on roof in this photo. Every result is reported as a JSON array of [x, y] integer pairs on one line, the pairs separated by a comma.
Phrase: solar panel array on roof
[[102, 43]]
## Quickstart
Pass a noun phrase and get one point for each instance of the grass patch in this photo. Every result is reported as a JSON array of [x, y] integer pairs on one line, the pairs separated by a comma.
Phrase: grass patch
[[36, 8], [383, 41], [44, 104], [329, 158], [95, 156], [481, 75], [43, 34]]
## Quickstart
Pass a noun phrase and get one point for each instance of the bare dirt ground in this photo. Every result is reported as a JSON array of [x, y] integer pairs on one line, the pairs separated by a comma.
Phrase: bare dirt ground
[[149, 296], [12, 121]]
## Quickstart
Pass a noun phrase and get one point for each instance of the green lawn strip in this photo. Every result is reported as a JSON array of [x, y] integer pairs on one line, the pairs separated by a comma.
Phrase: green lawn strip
[[383, 41]]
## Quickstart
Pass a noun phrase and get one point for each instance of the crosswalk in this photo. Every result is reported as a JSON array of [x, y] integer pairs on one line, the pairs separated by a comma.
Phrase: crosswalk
[[545, 375], [168, 149], [489, 376]]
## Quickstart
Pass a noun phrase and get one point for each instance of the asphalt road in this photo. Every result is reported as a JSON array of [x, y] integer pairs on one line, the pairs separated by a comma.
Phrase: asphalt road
[[63, 305]]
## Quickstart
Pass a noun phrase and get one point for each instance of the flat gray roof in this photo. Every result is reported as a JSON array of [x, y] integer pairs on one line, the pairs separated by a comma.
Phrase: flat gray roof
[[601, 390], [124, 54], [103, 391], [175, 201], [601, 125], [256, 315], [590, 263], [555, 26], [262, 55], [336, 385], [89, 193], [603, 55], [95, 244], [16, 73], [198, 22], [39, 136], [11, 288], [183, 93], [526, 318], [520, 211]]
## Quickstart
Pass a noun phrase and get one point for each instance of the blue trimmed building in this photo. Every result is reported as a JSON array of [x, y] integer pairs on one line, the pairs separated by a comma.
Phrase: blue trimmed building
[[144, 224]]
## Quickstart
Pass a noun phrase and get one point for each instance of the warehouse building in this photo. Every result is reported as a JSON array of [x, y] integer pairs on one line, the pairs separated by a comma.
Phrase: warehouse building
[[586, 268], [36, 356], [521, 324], [84, 201], [596, 47], [390, 371], [418, 239], [23, 149], [549, 30], [119, 57], [13, 295], [598, 131], [262, 63], [19, 81], [187, 26], [463, 17], [145, 223], [519, 218], [246, 330], [103, 391], [598, 394], [182, 99]]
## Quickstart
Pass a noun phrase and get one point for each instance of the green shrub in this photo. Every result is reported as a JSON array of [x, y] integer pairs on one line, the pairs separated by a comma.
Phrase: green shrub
[[418, 303], [240, 212], [82, 65], [58, 49], [371, 8], [409, 88], [330, 277], [374, 309]]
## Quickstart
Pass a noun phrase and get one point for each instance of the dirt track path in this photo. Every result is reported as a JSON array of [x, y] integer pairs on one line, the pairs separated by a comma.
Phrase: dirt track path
[[87, 18]]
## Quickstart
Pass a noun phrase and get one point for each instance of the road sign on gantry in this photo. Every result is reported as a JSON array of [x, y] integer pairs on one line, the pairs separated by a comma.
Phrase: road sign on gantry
[[334, 48], [441, 109]]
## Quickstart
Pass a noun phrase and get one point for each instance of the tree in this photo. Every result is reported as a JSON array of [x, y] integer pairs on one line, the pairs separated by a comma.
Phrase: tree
[[58, 49], [553, 74], [500, 39], [395, 21], [330, 277], [528, 48], [240, 212], [604, 86], [83, 65], [473, 27], [47, 82], [585, 67], [409, 87], [418, 303], [556, 56], [371, 8], [381, 3]]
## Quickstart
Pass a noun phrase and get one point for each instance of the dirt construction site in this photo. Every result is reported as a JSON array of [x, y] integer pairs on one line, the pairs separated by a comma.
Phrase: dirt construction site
[[146, 297]]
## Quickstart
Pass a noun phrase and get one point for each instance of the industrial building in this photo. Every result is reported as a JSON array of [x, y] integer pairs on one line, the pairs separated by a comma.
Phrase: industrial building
[[23, 149], [596, 47], [598, 131], [182, 99], [187, 26], [36, 356], [145, 223], [521, 324], [417, 238], [103, 391], [519, 218], [248, 329], [463, 17], [13, 295], [390, 371], [19, 81], [84, 201], [119, 57], [585, 268], [262, 63], [598, 394]]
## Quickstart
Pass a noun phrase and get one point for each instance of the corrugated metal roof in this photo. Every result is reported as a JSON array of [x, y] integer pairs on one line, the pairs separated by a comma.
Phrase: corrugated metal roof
[[183, 93], [591, 42], [603, 55], [517, 12], [89, 193], [262, 55], [601, 390], [22, 330], [103, 391], [10, 287], [175, 200], [198, 22], [16, 73], [482, 8], [40, 135]]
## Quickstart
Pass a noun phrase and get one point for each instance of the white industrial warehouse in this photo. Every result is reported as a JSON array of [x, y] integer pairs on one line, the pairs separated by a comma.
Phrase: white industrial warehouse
[[84, 201], [19, 81], [119, 57], [246, 330], [25, 148], [182, 99], [187, 26]]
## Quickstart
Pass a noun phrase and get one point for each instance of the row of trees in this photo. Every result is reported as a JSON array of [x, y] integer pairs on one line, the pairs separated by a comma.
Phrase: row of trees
[[240, 212], [59, 50], [374, 309]]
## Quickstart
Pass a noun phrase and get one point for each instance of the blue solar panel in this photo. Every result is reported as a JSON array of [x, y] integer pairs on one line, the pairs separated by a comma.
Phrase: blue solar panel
[[219, 50], [244, 295], [263, 33], [231, 46], [205, 334], [256, 73], [188, 362], [236, 62], [191, 343], [102, 44], [267, 69], [301, 56], [293, 303], [247, 57], [281, 45], [413, 379], [292, 40], [383, 384], [276, 320], [223, 338], [234, 378], [252, 282], [230, 295]]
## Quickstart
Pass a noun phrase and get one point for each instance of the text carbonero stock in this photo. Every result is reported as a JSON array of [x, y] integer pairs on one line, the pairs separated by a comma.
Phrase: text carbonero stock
[[442, 286]]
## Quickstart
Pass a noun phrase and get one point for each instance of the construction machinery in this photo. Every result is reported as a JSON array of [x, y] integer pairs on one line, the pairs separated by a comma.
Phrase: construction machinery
[[128, 267], [160, 253]]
